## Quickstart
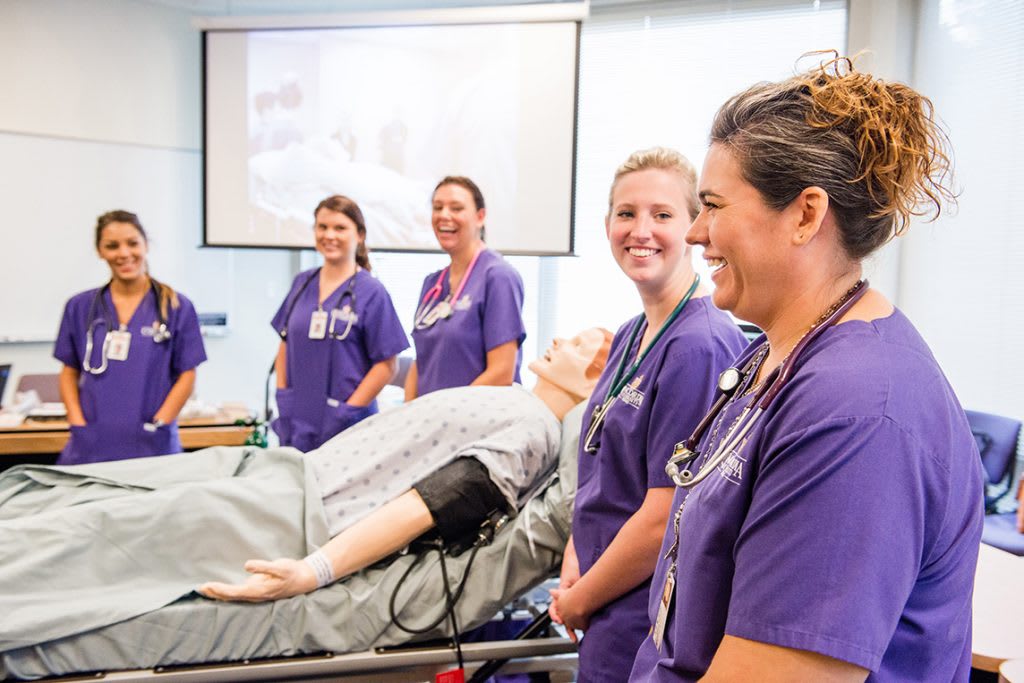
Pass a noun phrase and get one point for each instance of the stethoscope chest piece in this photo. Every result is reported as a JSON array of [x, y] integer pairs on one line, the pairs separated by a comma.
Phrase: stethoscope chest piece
[[729, 380]]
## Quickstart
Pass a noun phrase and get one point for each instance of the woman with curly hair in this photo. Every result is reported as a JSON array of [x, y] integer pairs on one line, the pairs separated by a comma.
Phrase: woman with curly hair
[[829, 511]]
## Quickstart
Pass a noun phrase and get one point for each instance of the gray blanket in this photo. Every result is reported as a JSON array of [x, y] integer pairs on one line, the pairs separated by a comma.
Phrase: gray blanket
[[78, 618]]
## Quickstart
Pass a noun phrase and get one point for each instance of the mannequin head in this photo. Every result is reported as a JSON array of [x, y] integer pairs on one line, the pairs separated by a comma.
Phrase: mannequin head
[[575, 364]]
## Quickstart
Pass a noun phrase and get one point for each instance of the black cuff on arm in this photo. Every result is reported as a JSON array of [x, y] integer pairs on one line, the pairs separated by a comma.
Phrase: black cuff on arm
[[460, 496]]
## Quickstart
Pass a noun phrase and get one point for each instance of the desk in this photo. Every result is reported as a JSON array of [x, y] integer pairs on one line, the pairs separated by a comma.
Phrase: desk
[[998, 609], [41, 438]]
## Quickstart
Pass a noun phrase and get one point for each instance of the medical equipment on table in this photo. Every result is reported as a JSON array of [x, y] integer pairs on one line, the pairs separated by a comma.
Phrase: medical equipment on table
[[426, 315], [345, 312], [160, 332], [685, 453], [621, 378]]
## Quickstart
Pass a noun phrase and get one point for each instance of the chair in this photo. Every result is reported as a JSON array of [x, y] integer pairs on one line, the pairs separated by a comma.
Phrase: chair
[[46, 385], [999, 442]]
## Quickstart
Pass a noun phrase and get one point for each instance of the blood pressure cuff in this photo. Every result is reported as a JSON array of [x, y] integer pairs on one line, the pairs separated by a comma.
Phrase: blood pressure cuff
[[460, 497]]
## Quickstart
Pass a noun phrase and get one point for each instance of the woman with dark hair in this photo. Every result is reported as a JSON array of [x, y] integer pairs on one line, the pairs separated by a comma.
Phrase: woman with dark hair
[[129, 349], [468, 328], [339, 333], [834, 507]]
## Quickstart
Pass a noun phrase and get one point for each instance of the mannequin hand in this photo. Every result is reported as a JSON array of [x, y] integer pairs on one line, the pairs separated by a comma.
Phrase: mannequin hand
[[274, 580]]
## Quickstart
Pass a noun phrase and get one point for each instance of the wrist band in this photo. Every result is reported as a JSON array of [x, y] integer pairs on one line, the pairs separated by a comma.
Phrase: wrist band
[[321, 567]]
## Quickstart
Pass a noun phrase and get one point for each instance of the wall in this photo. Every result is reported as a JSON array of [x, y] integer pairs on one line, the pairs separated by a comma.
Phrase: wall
[[124, 78]]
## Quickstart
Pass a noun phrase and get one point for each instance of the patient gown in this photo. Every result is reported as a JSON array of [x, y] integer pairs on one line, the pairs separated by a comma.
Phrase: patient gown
[[88, 546]]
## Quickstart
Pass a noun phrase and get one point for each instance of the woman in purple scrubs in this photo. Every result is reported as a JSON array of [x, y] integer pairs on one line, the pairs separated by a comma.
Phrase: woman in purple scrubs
[[834, 536], [659, 379], [339, 334], [129, 349], [468, 327]]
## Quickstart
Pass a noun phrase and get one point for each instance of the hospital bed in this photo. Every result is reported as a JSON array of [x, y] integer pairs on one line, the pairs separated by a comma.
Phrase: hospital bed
[[303, 638]]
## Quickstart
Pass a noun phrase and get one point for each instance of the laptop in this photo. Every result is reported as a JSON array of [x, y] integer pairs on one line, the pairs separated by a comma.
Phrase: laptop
[[5, 374]]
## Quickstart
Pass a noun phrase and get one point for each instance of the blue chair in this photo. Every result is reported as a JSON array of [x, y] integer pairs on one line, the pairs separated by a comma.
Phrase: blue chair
[[999, 442]]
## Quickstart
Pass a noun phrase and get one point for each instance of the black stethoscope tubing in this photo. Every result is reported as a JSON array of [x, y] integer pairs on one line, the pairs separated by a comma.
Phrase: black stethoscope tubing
[[161, 333], [350, 293], [108, 319]]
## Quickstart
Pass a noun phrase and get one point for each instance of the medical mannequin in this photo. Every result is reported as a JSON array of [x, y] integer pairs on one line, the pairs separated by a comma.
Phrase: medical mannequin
[[468, 327], [659, 379], [339, 332], [565, 376], [129, 351]]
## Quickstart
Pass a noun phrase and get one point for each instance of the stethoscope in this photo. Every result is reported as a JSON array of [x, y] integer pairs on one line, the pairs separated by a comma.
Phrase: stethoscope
[[685, 453], [427, 314], [161, 332], [348, 312], [591, 441]]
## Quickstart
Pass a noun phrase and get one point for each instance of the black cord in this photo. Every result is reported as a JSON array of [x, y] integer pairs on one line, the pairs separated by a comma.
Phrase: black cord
[[451, 599], [451, 611], [266, 393]]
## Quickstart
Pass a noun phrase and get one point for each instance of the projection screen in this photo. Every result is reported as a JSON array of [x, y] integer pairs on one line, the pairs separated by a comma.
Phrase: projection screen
[[380, 114]]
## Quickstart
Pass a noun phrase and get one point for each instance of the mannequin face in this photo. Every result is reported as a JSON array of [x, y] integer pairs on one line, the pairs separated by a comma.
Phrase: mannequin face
[[566, 362]]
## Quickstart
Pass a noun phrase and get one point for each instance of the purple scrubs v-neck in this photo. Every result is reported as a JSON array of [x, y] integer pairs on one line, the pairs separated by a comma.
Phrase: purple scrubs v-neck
[[847, 525], [659, 406], [453, 351], [117, 403], [323, 373]]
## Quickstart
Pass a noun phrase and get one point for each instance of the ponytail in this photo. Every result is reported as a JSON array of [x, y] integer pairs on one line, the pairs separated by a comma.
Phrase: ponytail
[[363, 256], [167, 298]]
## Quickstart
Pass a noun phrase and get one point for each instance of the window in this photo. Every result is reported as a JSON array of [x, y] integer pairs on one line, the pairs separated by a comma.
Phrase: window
[[656, 77]]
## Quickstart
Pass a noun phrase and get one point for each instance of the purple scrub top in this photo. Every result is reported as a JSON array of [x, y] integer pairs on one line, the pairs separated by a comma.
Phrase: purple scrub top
[[659, 406], [848, 525], [323, 373], [453, 351], [118, 402]]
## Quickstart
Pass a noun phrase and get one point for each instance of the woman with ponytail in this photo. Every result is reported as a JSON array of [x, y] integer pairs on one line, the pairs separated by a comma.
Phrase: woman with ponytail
[[339, 333], [129, 349]]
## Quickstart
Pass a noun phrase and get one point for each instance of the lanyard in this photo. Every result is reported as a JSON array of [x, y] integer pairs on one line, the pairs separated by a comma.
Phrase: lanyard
[[686, 453], [620, 379], [622, 376], [434, 293]]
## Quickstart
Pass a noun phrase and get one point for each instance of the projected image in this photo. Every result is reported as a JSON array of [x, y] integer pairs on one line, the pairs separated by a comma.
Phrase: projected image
[[379, 115]]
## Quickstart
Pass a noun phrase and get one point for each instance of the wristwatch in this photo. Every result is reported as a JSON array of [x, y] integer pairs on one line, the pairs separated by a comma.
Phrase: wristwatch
[[156, 424]]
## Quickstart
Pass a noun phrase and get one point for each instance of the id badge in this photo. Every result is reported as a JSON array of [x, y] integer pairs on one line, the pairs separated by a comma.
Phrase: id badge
[[658, 633], [318, 325], [120, 342]]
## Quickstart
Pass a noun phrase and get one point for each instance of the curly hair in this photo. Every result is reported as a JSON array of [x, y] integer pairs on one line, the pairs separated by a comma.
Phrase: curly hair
[[873, 146]]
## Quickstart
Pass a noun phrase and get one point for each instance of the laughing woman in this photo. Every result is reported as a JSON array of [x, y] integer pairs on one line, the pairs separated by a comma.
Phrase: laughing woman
[[831, 530], [468, 328]]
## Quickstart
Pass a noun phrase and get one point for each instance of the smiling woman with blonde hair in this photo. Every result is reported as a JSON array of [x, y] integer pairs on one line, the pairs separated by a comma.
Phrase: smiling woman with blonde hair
[[660, 375]]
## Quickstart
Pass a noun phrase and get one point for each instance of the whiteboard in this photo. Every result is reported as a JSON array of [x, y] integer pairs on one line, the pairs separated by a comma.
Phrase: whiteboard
[[52, 189]]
